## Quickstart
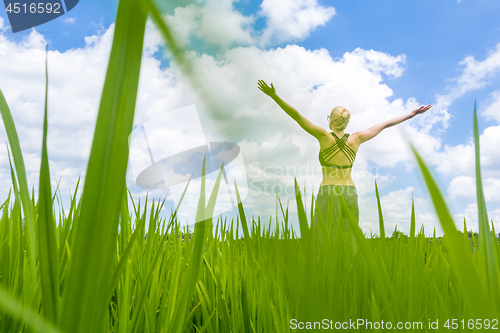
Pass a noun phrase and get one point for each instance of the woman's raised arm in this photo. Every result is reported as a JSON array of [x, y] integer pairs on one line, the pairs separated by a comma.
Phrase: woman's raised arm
[[370, 133], [314, 130]]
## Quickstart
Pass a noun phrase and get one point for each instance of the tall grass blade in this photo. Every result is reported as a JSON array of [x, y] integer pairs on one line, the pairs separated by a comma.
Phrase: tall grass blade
[[304, 227], [29, 214], [462, 262], [380, 219], [89, 276], [380, 216], [485, 239], [47, 239], [243, 218], [192, 275], [412, 219], [11, 306], [380, 275], [123, 261]]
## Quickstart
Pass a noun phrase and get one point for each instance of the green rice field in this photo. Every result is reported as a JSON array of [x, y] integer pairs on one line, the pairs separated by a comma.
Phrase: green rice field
[[92, 270]]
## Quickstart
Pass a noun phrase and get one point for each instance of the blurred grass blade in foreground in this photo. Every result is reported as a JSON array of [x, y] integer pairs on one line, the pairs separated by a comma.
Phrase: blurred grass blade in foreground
[[13, 307], [488, 262], [89, 276], [461, 260]]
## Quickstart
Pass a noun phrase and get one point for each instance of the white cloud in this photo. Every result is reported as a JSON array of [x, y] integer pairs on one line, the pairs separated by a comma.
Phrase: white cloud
[[464, 187], [2, 28], [75, 81], [69, 20], [471, 218], [377, 62], [222, 25], [216, 23], [476, 73], [460, 159], [474, 76], [292, 20], [396, 210], [492, 111], [184, 23]]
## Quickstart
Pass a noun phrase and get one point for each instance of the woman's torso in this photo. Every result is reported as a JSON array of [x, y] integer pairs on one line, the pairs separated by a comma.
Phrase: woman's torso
[[338, 176]]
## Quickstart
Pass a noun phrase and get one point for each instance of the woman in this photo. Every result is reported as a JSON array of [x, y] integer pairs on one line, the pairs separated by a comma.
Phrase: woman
[[337, 154]]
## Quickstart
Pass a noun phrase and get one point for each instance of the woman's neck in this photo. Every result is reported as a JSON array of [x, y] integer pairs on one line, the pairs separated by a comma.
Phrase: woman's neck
[[338, 133]]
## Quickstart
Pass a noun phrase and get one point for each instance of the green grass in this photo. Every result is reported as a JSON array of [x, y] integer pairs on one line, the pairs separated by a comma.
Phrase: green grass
[[91, 270]]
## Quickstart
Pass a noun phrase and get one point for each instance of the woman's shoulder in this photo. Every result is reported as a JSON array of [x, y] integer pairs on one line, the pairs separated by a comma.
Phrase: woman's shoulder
[[353, 140], [353, 136]]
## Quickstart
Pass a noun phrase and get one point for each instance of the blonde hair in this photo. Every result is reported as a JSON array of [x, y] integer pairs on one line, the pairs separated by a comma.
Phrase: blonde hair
[[343, 113]]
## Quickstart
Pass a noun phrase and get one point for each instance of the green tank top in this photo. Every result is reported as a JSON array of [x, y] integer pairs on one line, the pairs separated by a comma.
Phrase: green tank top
[[339, 146]]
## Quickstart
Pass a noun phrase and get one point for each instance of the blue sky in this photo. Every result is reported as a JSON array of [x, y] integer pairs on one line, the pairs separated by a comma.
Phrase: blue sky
[[420, 46]]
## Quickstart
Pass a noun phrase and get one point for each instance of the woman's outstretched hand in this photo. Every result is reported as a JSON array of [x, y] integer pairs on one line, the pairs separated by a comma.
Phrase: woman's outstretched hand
[[420, 110], [269, 91]]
